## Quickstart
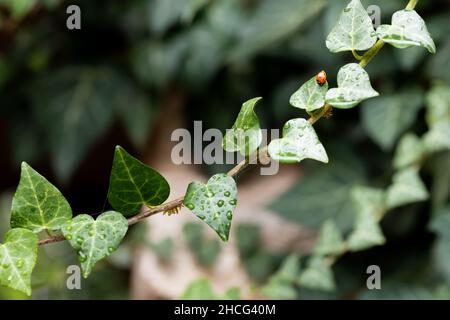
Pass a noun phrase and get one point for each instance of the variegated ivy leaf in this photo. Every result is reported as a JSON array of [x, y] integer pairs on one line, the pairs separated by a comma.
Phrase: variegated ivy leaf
[[369, 204], [353, 87], [438, 138], [245, 136], [330, 240], [438, 105], [213, 202], [18, 255], [37, 204], [310, 96], [407, 29], [95, 239], [299, 142], [410, 150], [407, 187], [133, 184], [317, 275], [353, 31]]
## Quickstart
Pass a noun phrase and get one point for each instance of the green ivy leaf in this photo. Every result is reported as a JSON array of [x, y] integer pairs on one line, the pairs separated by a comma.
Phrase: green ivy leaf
[[388, 112], [353, 87], [310, 96], [317, 275], [353, 31], [281, 284], [18, 255], [214, 202], [330, 240], [37, 204], [133, 184], [323, 194], [95, 239], [438, 138], [369, 205], [407, 187], [245, 136], [407, 29], [410, 150], [438, 105], [299, 142]]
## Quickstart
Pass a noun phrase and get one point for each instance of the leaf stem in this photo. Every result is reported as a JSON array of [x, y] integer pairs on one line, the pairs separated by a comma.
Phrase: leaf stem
[[356, 55], [262, 153]]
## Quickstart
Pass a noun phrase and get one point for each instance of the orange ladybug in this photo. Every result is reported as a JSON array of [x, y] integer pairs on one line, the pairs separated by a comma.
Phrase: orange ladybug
[[321, 78]]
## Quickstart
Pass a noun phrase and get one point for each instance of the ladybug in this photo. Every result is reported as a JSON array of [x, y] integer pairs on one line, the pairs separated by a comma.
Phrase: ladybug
[[321, 78]]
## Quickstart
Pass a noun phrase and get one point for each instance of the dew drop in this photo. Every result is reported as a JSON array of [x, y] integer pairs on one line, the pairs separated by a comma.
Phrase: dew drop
[[233, 202], [79, 240], [190, 206], [111, 249], [69, 237], [216, 216], [227, 193], [220, 203], [19, 263], [201, 217], [229, 215]]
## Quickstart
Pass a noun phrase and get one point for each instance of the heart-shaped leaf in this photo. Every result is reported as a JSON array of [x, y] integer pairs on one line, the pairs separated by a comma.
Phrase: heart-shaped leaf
[[245, 136], [438, 138], [214, 202], [37, 204], [317, 275], [410, 150], [330, 240], [353, 87], [95, 239], [18, 255], [299, 142], [353, 31], [310, 96], [133, 184], [369, 205], [407, 187], [407, 29]]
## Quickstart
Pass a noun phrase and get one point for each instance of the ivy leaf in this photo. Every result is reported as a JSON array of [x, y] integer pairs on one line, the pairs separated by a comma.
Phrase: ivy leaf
[[310, 96], [306, 204], [369, 204], [245, 135], [407, 188], [388, 112], [410, 150], [438, 105], [407, 29], [281, 284], [438, 138], [18, 255], [299, 142], [95, 239], [353, 31], [133, 184], [214, 202], [73, 108], [330, 240], [317, 275], [37, 204], [353, 87]]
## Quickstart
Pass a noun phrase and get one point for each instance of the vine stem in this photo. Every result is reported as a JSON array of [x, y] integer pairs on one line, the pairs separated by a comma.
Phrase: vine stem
[[261, 155]]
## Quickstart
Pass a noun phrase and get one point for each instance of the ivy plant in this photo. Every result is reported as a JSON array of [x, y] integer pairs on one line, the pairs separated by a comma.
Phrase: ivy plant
[[137, 191]]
